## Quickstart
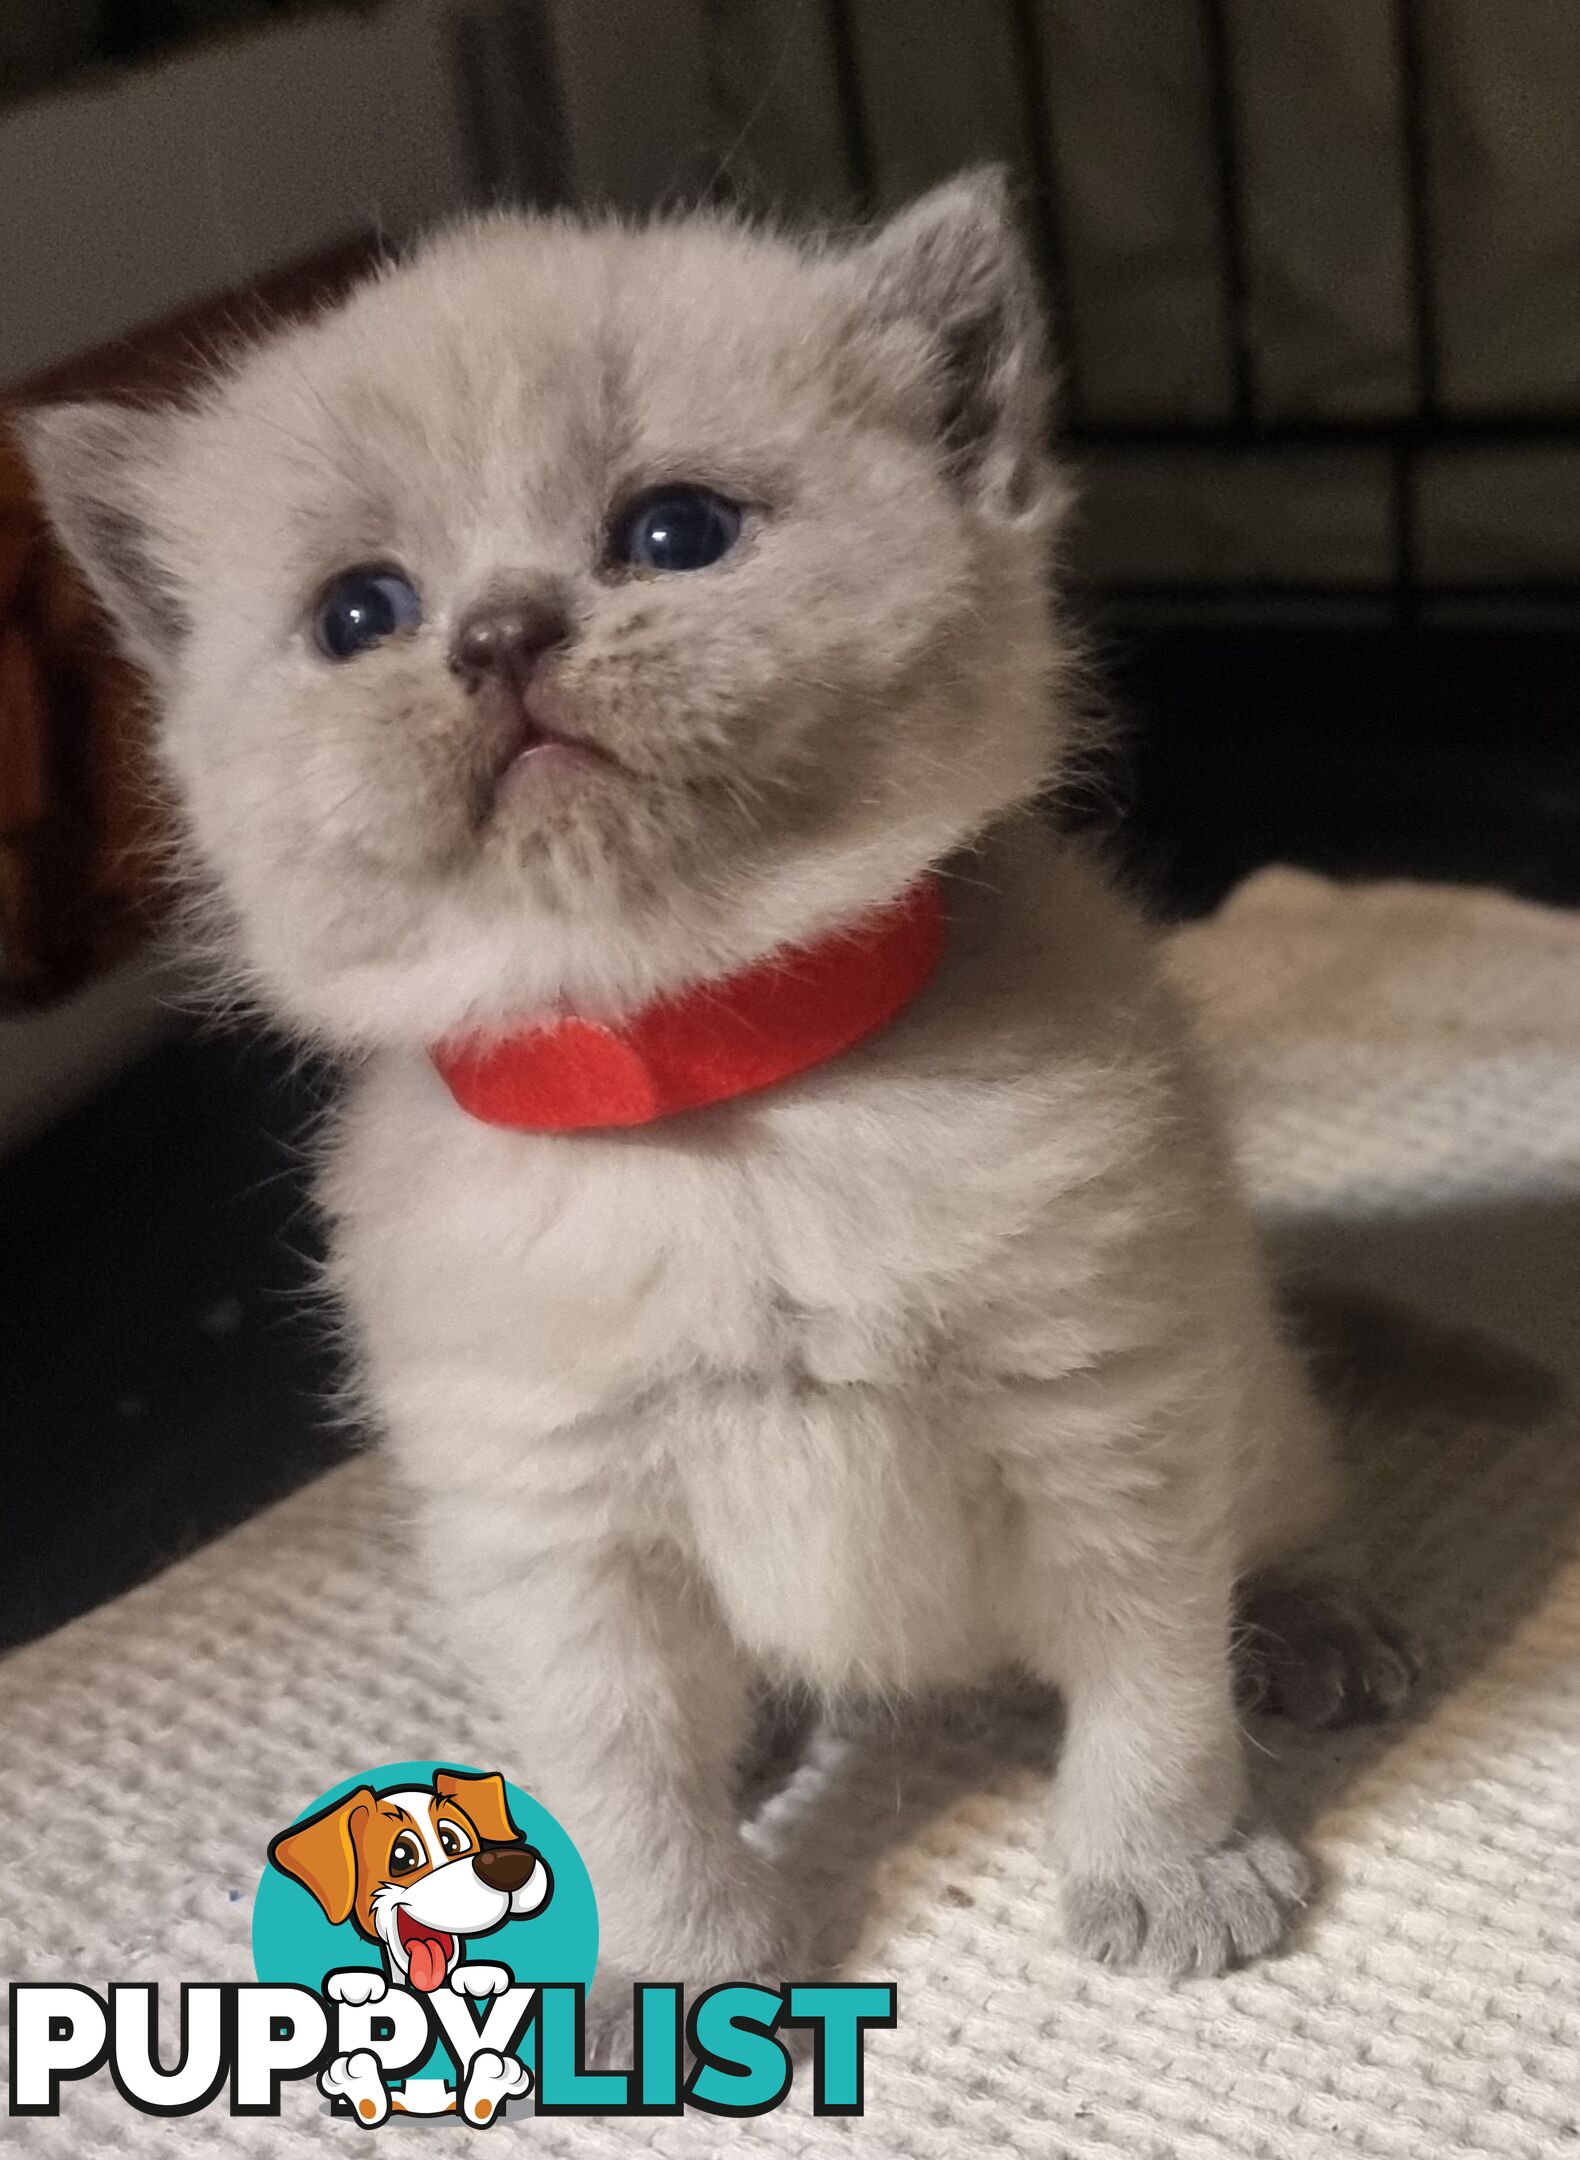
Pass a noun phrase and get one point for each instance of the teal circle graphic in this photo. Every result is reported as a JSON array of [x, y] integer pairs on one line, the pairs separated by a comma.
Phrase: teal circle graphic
[[295, 1944]]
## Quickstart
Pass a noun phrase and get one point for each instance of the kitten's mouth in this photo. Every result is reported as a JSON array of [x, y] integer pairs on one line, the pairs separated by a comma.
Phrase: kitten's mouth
[[537, 754]]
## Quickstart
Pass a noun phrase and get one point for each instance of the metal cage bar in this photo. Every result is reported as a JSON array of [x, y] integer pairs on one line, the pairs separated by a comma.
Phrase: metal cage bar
[[855, 132], [1223, 120], [1424, 426], [1047, 203]]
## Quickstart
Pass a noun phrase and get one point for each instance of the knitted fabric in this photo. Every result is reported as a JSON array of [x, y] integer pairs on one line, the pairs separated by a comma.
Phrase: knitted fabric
[[1404, 1065]]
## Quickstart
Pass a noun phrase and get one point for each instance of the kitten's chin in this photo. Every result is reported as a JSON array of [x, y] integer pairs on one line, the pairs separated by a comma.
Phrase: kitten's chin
[[589, 887], [542, 929]]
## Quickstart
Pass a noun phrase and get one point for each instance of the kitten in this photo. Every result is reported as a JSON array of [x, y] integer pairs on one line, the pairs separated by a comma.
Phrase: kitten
[[582, 613]]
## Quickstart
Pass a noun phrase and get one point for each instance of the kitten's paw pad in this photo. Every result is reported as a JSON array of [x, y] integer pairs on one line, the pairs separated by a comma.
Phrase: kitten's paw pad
[[1199, 1915], [1319, 1656]]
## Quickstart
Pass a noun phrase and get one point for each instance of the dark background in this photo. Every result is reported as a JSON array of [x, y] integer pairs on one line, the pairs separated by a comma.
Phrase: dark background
[[166, 1367]]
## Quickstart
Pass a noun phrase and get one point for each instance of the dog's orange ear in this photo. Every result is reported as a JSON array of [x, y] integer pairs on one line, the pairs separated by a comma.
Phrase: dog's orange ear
[[321, 1854], [483, 1799]]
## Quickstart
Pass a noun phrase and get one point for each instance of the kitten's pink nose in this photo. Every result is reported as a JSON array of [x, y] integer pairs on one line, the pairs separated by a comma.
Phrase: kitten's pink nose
[[506, 638]]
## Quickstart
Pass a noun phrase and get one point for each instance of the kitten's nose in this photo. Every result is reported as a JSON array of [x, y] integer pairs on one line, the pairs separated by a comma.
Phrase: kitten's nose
[[506, 638]]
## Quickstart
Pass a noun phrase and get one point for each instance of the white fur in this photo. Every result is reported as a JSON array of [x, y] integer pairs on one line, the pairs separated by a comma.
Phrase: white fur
[[952, 1355]]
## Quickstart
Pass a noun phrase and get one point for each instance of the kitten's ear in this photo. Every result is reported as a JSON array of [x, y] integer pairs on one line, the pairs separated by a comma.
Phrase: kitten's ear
[[954, 263], [98, 468]]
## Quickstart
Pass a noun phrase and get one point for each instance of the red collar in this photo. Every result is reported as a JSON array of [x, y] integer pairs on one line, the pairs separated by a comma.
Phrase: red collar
[[796, 1009]]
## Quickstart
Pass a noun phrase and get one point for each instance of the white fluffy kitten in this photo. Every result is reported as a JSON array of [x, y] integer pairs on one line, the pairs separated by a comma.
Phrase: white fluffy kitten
[[952, 1355]]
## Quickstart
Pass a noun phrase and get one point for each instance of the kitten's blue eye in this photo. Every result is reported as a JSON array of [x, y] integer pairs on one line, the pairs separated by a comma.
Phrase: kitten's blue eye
[[362, 608], [678, 528]]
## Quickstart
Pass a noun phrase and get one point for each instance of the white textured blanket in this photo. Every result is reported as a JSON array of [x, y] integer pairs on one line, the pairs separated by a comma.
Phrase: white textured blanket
[[1405, 1064]]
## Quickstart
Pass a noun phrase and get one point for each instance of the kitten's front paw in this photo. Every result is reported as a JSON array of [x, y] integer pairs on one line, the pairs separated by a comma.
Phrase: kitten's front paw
[[1191, 1915], [1313, 1652]]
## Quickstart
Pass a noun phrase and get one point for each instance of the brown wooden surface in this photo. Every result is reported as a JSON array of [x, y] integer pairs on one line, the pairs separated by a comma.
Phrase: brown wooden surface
[[80, 831]]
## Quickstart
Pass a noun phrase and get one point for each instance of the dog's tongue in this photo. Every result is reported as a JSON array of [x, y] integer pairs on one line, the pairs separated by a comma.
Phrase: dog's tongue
[[425, 1968]]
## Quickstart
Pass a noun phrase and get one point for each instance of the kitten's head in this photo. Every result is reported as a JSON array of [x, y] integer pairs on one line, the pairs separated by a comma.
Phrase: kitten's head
[[578, 611]]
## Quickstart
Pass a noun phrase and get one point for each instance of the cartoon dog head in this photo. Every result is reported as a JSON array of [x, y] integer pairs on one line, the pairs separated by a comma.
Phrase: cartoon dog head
[[418, 1869]]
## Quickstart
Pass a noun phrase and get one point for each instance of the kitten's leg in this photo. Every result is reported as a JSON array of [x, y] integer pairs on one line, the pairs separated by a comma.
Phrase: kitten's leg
[[1310, 1648], [1307, 1643], [781, 1725], [633, 1707], [1162, 1870]]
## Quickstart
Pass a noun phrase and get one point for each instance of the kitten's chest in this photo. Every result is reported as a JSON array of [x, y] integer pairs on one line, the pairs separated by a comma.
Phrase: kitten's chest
[[827, 1242]]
